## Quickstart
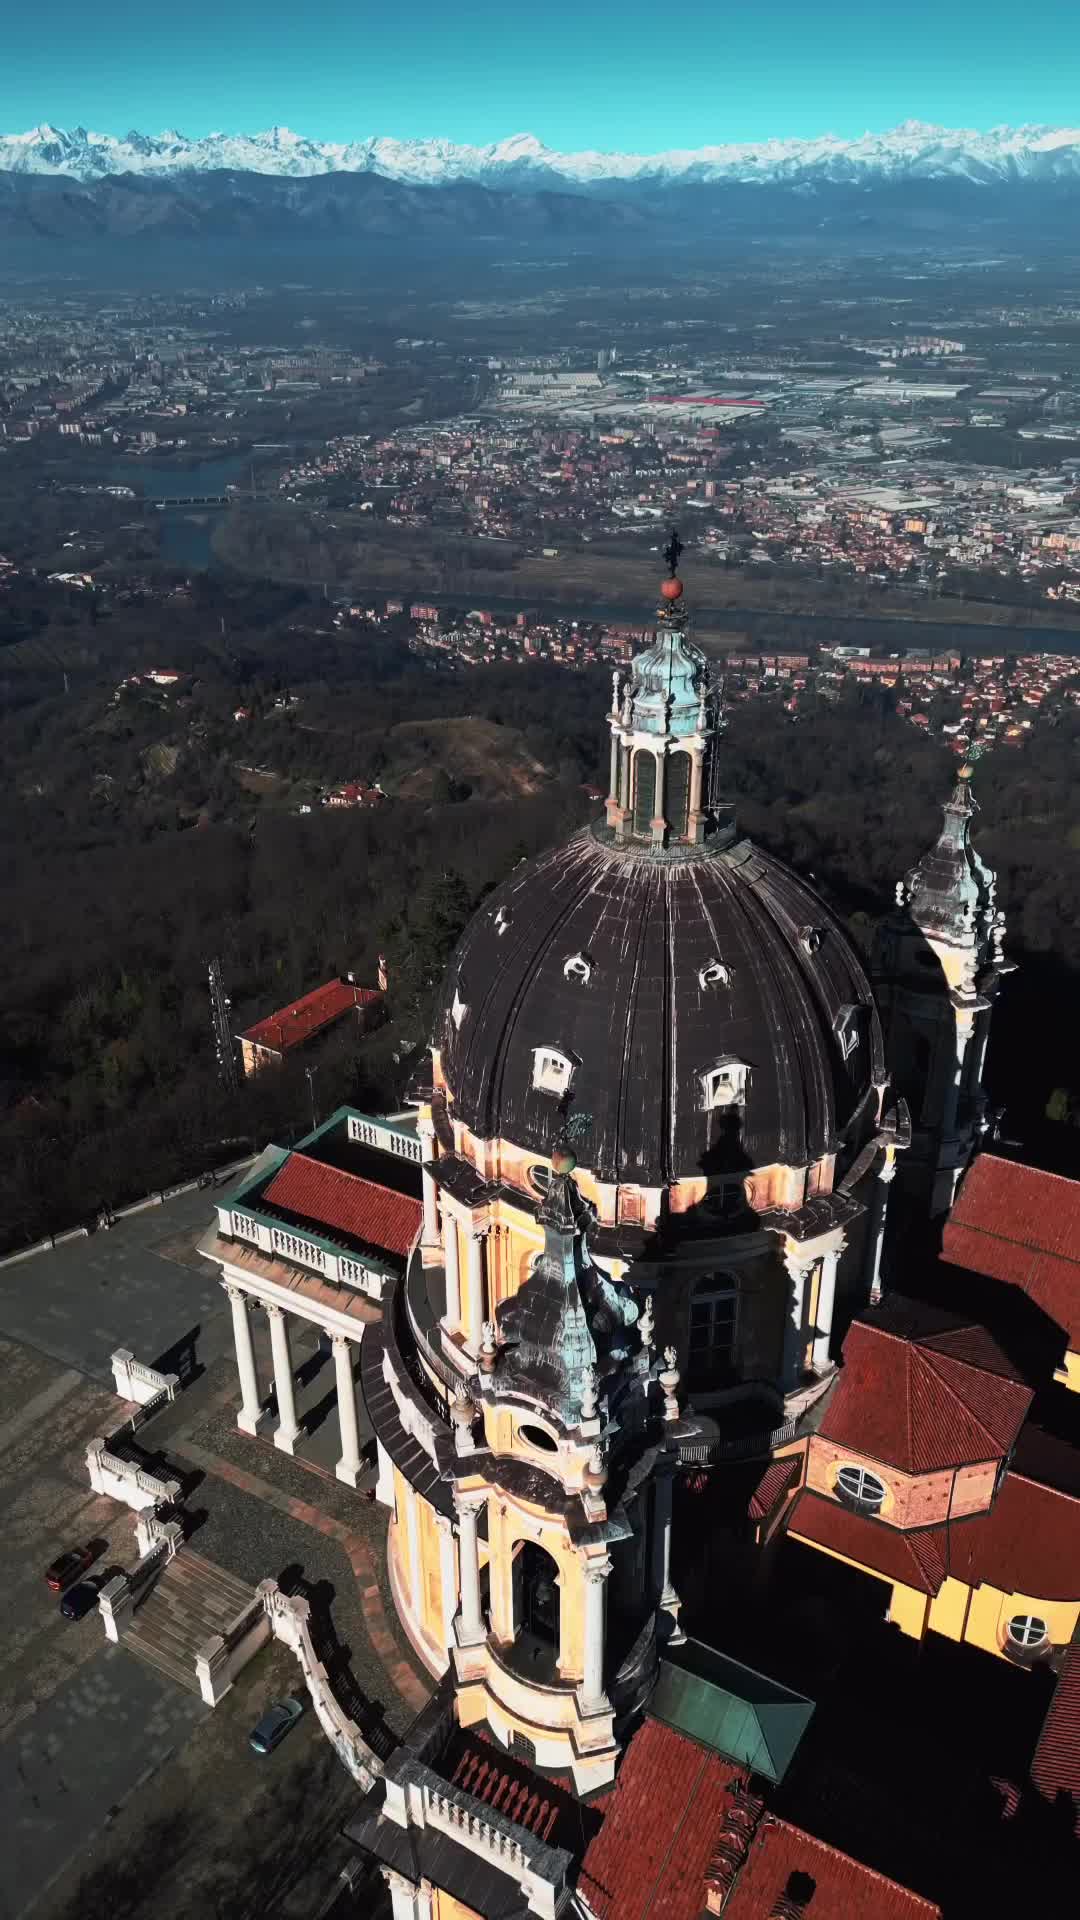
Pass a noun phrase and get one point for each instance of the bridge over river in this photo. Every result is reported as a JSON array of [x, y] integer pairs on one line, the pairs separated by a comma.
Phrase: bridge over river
[[193, 500]]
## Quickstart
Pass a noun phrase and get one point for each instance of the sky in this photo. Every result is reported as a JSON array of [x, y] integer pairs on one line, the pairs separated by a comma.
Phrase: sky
[[577, 73]]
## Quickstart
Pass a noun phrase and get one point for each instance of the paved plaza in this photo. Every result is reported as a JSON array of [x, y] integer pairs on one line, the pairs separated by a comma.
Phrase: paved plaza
[[93, 1745]]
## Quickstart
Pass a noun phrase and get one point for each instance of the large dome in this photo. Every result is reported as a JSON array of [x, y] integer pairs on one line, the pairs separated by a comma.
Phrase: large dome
[[699, 1005]]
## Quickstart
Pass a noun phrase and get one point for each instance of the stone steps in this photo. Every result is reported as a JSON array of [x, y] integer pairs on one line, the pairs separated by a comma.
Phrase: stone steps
[[191, 1601]]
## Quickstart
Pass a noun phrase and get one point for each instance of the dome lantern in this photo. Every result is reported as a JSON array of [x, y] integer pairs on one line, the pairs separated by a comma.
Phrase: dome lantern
[[664, 720]]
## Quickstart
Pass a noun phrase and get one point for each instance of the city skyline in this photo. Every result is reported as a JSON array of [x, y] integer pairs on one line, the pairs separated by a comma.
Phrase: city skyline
[[484, 77]]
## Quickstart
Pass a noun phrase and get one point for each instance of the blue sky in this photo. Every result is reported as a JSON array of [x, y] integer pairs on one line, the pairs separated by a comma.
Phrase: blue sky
[[630, 75]]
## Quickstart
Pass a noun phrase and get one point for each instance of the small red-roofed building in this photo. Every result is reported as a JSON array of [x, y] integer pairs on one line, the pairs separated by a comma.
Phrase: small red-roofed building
[[1021, 1226], [1055, 1767], [908, 1478], [269, 1040]]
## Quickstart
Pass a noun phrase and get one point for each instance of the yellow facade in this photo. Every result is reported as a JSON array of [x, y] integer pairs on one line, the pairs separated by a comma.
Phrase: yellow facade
[[1069, 1373], [978, 1616]]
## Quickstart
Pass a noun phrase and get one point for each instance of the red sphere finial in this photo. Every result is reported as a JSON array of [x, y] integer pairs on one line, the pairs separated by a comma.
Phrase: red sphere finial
[[672, 589]]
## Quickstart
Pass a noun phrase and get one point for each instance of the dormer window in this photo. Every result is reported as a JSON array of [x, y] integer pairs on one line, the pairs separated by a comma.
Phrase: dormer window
[[810, 939], [579, 967], [502, 920], [552, 1071], [715, 974], [724, 1085], [459, 1009], [846, 1027]]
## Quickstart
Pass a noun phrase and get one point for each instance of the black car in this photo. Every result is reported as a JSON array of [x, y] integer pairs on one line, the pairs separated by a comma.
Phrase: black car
[[79, 1601]]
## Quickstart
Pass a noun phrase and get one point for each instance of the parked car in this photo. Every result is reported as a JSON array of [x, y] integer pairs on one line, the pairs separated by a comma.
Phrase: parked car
[[78, 1600], [275, 1724], [67, 1567]]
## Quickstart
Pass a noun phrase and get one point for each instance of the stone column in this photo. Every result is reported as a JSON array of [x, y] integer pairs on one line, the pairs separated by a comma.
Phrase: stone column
[[798, 1272], [250, 1406], [288, 1429], [430, 1238], [407, 1900], [668, 1601], [823, 1318], [613, 784], [876, 1237], [658, 822], [348, 1467], [469, 1627], [592, 1685], [476, 1311], [693, 821], [452, 1267]]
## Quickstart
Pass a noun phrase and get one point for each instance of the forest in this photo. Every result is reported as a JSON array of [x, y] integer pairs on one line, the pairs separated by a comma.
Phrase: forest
[[131, 852]]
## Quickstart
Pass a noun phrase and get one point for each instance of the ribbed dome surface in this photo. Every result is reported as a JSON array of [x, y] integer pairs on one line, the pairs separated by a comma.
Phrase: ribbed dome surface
[[650, 1019]]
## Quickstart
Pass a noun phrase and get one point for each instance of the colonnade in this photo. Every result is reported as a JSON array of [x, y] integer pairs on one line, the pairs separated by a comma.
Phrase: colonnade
[[289, 1430]]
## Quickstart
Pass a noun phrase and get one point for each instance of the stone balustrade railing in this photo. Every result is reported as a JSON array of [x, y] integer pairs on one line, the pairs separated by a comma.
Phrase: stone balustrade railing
[[386, 1136], [138, 1382], [289, 1616], [418, 1796], [120, 1596], [124, 1480], [239, 1222], [225, 1654]]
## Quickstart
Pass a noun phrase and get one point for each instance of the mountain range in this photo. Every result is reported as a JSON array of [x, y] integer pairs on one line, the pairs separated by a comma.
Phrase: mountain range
[[912, 152]]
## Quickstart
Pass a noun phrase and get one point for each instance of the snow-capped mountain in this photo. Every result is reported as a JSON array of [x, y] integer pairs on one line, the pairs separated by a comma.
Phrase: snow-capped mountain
[[910, 152]]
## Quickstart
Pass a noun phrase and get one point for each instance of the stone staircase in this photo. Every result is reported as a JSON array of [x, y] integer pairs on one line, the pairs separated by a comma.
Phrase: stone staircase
[[190, 1602]]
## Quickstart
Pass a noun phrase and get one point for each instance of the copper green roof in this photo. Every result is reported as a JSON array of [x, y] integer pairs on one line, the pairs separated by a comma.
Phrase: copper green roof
[[739, 1713]]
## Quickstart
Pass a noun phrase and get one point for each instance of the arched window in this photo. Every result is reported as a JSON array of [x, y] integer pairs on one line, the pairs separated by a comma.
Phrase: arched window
[[578, 967], [714, 1313], [860, 1488], [1027, 1631], [644, 790], [677, 793]]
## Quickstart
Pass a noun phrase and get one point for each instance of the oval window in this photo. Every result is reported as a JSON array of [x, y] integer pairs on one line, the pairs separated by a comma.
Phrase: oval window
[[539, 1177], [861, 1488], [537, 1437], [1026, 1630]]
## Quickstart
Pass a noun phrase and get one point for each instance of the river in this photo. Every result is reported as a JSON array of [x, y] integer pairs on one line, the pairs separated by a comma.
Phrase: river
[[187, 532]]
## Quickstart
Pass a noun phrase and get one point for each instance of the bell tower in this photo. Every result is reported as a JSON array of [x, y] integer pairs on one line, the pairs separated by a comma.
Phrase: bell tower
[[565, 1461], [663, 721], [939, 965]]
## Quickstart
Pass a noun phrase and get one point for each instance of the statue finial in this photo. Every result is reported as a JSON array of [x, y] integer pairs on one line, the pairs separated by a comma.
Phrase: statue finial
[[672, 551]]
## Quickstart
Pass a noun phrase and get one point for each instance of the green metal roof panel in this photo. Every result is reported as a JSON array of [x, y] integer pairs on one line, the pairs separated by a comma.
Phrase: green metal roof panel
[[732, 1709]]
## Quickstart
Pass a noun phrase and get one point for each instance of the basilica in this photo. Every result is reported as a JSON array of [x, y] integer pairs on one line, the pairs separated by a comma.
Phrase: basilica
[[629, 1291]]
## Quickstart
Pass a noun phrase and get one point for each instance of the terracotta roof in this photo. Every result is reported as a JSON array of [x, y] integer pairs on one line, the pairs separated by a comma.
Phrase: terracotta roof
[[1029, 1542], [778, 1476], [1022, 1226], [842, 1888], [1055, 1768], [915, 1556], [649, 1859], [924, 1402], [304, 1018], [327, 1196]]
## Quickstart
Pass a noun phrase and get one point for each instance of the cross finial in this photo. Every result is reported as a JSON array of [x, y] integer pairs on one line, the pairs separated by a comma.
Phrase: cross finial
[[672, 551]]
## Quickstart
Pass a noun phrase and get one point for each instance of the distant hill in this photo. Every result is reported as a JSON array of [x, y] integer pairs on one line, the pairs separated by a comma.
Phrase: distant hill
[[473, 753]]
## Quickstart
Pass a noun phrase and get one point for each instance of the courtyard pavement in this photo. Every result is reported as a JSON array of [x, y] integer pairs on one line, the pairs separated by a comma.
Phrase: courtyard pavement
[[92, 1742]]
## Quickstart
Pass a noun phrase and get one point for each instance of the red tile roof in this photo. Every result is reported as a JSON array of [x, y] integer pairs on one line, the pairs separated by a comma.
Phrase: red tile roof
[[306, 1017], [915, 1556], [648, 1860], [843, 1889], [1029, 1542], [778, 1476], [1022, 1226], [923, 1403], [326, 1196], [1055, 1768]]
